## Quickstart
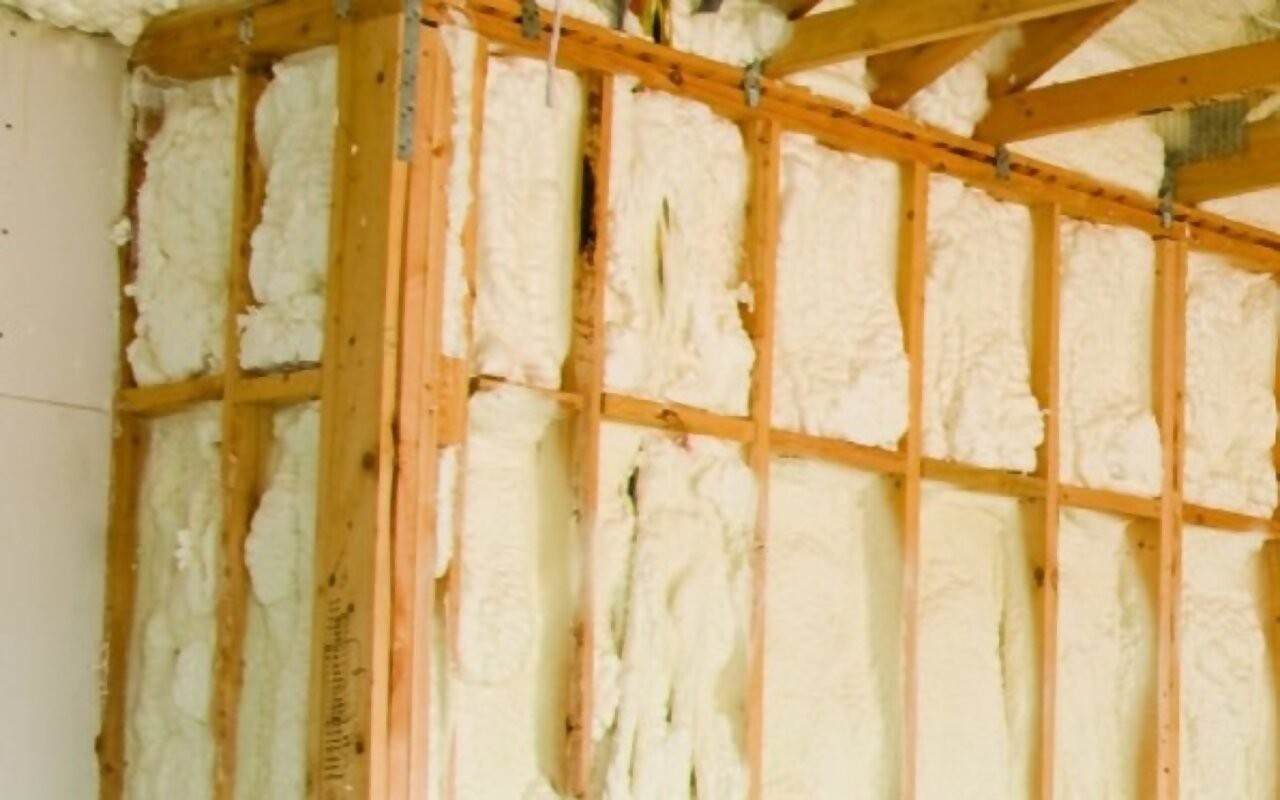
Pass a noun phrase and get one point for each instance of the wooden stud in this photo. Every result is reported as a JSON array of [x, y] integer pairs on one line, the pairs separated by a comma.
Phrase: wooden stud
[[352, 641], [128, 449], [912, 265], [416, 449], [1046, 42], [764, 141], [584, 375], [1046, 326], [1139, 91], [884, 25], [246, 435], [1169, 388]]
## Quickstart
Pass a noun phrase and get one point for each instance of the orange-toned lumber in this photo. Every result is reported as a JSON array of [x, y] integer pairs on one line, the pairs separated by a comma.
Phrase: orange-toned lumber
[[584, 374], [1134, 92], [1045, 42], [1169, 388], [912, 263], [676, 418], [764, 140], [1257, 167], [351, 645], [417, 460], [246, 434], [901, 74], [881, 26], [166, 398], [1110, 502], [1046, 319], [279, 388], [803, 445], [128, 447]]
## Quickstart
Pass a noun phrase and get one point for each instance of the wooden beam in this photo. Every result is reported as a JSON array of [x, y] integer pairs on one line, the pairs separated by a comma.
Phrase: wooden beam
[[1046, 319], [764, 143], [1258, 167], [1140, 91], [880, 26], [351, 644], [1110, 502], [246, 437], [1169, 388], [912, 264], [984, 479], [1046, 42], [585, 376], [901, 74]]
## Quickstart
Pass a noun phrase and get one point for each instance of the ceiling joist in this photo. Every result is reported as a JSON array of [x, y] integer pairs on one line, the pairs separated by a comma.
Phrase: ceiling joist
[[1140, 91], [902, 73], [1258, 167], [882, 26]]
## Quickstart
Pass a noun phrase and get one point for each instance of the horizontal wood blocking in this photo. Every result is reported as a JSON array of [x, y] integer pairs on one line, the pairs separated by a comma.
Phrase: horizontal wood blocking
[[279, 388], [166, 398], [1140, 91], [880, 26]]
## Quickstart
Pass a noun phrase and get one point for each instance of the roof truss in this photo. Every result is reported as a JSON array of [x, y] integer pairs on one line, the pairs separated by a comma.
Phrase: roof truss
[[1258, 167]]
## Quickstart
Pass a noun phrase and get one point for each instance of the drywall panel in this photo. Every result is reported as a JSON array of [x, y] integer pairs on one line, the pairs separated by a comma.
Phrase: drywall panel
[[53, 489], [839, 365], [833, 638], [979, 635], [1106, 680], [62, 158]]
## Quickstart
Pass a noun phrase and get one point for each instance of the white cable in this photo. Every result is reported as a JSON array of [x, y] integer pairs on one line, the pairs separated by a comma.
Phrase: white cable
[[551, 56]]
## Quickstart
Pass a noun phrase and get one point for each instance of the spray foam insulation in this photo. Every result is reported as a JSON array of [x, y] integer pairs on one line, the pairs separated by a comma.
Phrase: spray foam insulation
[[673, 585], [168, 739], [1228, 708], [978, 406], [1108, 435], [840, 369], [677, 215], [279, 553], [1106, 703], [528, 215], [833, 686], [184, 230], [979, 689], [1230, 397], [463, 49], [515, 612], [294, 128]]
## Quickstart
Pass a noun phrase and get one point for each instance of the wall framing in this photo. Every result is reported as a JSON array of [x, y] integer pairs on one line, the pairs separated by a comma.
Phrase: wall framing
[[390, 400]]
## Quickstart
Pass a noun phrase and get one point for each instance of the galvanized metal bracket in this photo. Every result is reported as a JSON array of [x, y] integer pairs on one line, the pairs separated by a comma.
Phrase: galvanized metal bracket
[[751, 82], [530, 25], [1004, 167], [406, 113], [246, 28]]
